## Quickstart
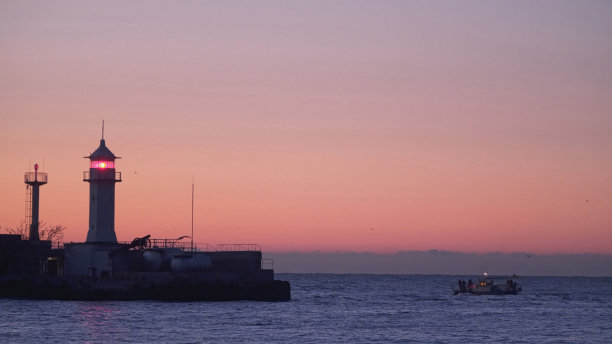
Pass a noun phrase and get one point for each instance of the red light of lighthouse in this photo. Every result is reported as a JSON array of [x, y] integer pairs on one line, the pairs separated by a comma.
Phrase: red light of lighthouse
[[102, 164]]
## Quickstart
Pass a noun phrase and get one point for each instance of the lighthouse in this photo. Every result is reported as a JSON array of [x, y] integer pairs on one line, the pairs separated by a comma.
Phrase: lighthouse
[[102, 178], [34, 180]]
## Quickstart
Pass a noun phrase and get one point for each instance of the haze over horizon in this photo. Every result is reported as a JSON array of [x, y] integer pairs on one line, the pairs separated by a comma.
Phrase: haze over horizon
[[378, 127]]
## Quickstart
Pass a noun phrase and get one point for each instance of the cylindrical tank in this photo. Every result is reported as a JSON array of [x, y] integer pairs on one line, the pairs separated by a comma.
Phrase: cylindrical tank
[[190, 263], [152, 260]]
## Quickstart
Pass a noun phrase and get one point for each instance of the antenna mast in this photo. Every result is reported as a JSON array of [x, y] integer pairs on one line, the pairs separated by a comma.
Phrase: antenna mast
[[192, 191], [102, 129]]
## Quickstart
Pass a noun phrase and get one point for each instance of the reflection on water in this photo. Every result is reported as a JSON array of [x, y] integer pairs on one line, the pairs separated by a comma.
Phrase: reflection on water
[[95, 319]]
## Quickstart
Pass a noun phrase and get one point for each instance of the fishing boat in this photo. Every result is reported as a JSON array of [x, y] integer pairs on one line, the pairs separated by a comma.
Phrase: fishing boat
[[489, 285]]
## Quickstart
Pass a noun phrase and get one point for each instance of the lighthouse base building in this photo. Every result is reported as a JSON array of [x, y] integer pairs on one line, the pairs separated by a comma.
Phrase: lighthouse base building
[[102, 268]]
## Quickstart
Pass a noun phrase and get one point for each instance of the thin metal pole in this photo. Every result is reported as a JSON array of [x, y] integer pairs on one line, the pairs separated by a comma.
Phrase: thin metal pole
[[192, 191]]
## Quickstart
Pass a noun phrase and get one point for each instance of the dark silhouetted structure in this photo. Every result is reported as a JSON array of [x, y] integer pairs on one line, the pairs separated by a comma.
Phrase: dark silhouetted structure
[[101, 268]]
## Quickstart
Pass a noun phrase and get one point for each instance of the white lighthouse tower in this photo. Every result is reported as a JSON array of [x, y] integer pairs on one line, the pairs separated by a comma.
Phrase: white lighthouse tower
[[102, 178]]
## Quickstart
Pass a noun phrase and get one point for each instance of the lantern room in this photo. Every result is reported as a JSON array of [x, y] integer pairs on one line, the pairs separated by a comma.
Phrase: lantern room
[[102, 164]]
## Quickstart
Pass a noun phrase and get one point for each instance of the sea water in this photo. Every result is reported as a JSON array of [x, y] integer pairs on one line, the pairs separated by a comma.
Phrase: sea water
[[329, 308]]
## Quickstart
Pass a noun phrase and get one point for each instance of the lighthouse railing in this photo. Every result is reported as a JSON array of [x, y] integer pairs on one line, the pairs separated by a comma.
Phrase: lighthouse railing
[[101, 175], [31, 177]]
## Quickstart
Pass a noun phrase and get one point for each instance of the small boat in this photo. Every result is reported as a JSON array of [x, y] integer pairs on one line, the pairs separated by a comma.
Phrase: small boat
[[489, 285]]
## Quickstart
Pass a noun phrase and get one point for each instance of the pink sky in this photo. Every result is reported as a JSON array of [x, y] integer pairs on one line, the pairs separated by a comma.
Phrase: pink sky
[[466, 126]]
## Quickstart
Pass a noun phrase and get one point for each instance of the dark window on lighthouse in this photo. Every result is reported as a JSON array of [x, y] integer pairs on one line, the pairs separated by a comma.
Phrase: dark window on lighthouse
[[93, 197]]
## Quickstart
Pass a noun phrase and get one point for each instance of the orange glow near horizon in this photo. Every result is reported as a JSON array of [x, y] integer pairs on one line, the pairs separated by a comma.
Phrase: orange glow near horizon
[[335, 127]]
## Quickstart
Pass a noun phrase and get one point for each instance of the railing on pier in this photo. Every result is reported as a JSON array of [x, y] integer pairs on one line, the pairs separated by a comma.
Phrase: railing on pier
[[183, 245], [238, 247], [197, 247], [167, 243], [267, 264]]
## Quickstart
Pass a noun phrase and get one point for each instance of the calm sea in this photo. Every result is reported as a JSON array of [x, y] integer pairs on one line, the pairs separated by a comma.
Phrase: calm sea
[[334, 309]]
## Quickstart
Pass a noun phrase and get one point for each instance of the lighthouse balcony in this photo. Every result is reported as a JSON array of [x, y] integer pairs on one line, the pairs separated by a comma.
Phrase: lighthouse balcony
[[35, 177], [101, 175]]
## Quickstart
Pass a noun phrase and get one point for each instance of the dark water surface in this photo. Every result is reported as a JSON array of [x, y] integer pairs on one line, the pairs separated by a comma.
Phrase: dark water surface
[[334, 308]]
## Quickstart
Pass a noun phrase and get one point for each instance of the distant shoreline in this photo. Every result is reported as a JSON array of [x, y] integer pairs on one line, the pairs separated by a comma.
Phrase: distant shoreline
[[444, 263]]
